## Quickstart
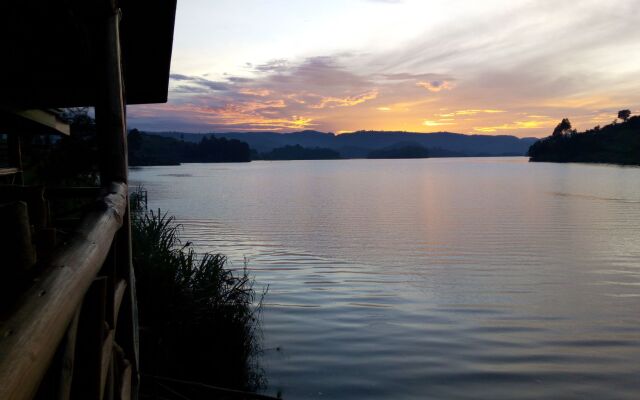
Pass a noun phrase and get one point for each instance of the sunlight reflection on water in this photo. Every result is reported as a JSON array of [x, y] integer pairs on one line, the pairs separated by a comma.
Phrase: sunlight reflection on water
[[438, 278]]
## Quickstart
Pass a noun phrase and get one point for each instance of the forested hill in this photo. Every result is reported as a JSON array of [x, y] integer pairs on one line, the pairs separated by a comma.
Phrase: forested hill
[[145, 149], [360, 144], [617, 143]]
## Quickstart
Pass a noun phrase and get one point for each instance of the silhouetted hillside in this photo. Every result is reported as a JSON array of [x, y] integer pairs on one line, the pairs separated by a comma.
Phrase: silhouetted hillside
[[400, 151], [359, 144], [618, 143], [298, 152], [146, 149]]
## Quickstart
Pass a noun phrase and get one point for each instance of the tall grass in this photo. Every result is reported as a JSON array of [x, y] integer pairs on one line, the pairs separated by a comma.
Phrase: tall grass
[[199, 319]]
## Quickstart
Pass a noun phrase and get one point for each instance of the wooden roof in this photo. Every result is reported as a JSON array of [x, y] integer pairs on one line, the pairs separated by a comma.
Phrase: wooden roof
[[52, 50]]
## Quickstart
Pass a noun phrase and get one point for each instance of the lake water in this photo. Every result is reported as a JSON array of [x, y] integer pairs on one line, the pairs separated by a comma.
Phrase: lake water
[[468, 278]]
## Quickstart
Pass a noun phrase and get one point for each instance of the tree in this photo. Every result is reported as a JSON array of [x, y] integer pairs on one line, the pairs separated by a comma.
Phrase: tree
[[624, 115], [135, 140], [563, 127]]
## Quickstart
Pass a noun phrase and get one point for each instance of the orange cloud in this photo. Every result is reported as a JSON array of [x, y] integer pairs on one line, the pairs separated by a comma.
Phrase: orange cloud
[[255, 92], [470, 112], [330, 102], [437, 123], [513, 126]]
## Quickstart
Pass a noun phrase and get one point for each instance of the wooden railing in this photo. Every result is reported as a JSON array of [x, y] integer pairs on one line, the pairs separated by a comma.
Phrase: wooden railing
[[61, 340]]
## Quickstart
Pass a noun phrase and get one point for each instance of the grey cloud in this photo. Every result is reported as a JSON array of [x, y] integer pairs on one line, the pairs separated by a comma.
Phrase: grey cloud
[[277, 65], [238, 79], [196, 80]]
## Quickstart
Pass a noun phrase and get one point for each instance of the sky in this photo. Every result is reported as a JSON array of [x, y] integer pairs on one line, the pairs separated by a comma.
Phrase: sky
[[497, 67]]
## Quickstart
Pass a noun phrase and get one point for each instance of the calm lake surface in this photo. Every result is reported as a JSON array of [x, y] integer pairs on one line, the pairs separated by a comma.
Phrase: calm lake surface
[[468, 278]]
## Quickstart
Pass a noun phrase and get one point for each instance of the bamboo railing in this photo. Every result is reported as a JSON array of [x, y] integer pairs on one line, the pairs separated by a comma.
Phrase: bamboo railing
[[70, 314]]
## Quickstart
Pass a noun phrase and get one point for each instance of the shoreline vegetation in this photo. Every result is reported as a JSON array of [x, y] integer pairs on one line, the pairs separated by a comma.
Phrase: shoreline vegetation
[[616, 143], [145, 149], [173, 148], [199, 318]]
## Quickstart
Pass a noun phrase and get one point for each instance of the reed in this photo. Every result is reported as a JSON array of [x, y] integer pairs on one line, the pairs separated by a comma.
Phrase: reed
[[199, 318]]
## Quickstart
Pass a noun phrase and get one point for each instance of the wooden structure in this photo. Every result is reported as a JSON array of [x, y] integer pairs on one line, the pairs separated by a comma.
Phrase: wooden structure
[[72, 332], [17, 123]]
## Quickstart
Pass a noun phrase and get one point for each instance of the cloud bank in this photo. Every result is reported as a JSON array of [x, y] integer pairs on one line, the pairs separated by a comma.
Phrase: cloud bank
[[516, 70]]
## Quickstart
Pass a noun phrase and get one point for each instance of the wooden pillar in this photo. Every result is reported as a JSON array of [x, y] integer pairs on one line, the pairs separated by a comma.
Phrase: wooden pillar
[[112, 136], [110, 107]]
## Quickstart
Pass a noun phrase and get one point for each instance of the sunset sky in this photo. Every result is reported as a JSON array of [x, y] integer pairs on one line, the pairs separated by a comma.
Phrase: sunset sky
[[479, 67]]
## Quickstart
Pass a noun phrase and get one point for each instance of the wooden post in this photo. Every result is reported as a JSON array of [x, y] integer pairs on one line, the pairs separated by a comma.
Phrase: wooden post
[[112, 136], [87, 383], [110, 107]]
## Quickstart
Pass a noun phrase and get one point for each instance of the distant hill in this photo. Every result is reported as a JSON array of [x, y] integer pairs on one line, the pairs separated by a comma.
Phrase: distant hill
[[618, 143], [298, 152], [400, 151], [360, 144], [145, 149]]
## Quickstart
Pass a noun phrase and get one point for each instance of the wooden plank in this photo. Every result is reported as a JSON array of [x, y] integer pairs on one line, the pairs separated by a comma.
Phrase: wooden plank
[[30, 336]]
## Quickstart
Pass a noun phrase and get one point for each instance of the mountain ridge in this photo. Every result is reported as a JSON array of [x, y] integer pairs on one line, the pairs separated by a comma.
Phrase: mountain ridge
[[358, 144]]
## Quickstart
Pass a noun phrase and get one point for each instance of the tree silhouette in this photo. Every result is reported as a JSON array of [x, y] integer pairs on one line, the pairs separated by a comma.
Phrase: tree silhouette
[[624, 115], [563, 127]]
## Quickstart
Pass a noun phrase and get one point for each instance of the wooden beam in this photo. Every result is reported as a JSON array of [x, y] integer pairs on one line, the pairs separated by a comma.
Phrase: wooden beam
[[8, 171], [30, 336], [45, 118]]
